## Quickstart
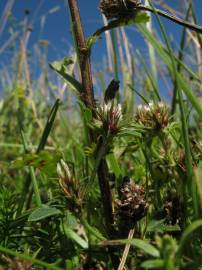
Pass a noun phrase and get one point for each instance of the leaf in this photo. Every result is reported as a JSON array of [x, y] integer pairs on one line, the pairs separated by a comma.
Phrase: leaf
[[45, 160], [141, 17], [61, 64], [91, 41], [143, 245], [75, 237], [94, 231], [158, 226], [71, 220], [61, 68], [187, 233], [114, 165], [87, 118], [137, 19], [43, 212], [151, 264], [164, 54]]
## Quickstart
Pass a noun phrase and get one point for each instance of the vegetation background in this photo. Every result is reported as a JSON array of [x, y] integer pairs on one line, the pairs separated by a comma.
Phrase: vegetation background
[[110, 184]]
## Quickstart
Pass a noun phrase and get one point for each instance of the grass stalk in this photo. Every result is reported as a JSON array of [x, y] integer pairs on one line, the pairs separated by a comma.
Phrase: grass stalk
[[32, 173], [152, 55], [171, 17], [115, 57], [42, 143], [185, 133], [180, 57]]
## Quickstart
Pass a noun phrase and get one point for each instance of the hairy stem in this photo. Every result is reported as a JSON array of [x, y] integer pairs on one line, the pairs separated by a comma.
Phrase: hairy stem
[[82, 54]]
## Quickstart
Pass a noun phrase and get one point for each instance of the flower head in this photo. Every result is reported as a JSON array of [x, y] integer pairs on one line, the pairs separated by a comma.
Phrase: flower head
[[131, 205], [110, 115], [65, 178], [118, 8], [153, 115], [69, 186]]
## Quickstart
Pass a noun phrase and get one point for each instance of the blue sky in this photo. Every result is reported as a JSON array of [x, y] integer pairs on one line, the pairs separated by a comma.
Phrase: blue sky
[[49, 20], [56, 25]]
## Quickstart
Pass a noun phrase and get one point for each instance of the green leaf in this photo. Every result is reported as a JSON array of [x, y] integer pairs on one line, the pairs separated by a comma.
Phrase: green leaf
[[87, 118], [158, 226], [187, 233], [61, 64], [152, 264], [71, 220], [94, 231], [141, 17], [137, 19], [75, 237], [45, 160], [91, 41], [43, 212], [143, 245], [114, 165], [48, 126], [61, 68]]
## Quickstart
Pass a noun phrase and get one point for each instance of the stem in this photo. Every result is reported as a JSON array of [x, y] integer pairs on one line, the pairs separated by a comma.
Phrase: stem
[[106, 195], [123, 21], [35, 187], [126, 250], [115, 60], [82, 54], [107, 207], [173, 18], [180, 57], [185, 128], [32, 174]]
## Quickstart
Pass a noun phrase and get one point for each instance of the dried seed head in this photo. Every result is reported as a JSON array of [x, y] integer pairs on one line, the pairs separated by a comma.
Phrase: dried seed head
[[154, 116], [132, 205], [118, 8]]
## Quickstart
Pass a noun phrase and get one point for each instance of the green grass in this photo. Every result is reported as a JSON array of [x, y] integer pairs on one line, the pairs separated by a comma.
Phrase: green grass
[[106, 184]]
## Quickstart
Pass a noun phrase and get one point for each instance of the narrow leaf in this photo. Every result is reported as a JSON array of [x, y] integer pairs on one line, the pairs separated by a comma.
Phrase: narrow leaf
[[75, 237], [152, 264], [143, 245], [187, 233], [43, 212], [61, 68]]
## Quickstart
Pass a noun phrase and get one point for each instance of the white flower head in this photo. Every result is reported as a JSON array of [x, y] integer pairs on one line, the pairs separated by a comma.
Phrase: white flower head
[[119, 111], [107, 107], [63, 170], [59, 170], [140, 107], [147, 108], [161, 104], [151, 104]]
